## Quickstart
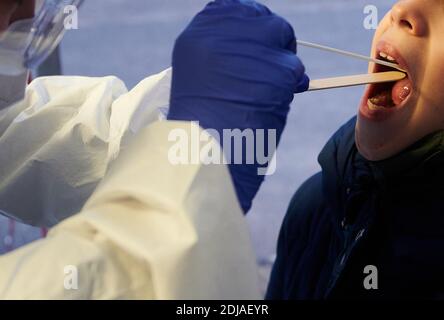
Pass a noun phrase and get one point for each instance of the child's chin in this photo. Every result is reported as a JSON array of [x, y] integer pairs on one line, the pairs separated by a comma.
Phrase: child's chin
[[373, 144], [371, 153]]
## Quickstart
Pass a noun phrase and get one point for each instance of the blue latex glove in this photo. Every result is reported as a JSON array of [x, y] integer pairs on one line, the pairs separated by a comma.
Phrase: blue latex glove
[[235, 66]]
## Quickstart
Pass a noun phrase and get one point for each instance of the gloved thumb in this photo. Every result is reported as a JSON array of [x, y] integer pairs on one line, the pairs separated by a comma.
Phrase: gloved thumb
[[303, 85]]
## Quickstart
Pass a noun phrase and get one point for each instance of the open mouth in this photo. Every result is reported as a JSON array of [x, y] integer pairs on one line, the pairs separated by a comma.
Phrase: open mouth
[[391, 94]]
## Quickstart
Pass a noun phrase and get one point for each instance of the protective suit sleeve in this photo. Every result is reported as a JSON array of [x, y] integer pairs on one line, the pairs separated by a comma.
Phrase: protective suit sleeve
[[56, 144], [151, 230]]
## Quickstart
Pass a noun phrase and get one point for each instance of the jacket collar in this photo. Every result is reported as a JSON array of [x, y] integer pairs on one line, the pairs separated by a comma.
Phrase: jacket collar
[[422, 163], [343, 168]]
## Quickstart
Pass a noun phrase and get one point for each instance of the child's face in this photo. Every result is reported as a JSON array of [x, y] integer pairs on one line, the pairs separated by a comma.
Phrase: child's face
[[401, 114]]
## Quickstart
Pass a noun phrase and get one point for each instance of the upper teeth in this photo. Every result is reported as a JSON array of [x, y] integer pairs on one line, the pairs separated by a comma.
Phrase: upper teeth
[[386, 56]]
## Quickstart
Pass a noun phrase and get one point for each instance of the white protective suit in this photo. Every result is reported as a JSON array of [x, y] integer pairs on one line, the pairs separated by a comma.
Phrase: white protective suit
[[148, 230]]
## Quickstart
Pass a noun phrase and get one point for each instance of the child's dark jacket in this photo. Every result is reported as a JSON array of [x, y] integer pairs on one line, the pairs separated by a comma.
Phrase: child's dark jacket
[[357, 213]]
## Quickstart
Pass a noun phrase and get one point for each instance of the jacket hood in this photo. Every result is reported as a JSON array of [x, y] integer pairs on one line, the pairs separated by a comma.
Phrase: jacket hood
[[335, 160]]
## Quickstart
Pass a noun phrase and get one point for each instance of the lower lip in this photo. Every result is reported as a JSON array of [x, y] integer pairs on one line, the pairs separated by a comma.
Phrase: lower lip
[[381, 114]]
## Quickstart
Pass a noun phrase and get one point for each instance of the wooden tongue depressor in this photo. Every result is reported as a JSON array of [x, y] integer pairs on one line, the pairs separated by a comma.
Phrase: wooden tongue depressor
[[356, 80]]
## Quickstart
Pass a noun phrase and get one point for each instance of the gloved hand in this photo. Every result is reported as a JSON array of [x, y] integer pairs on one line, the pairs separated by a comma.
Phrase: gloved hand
[[235, 67]]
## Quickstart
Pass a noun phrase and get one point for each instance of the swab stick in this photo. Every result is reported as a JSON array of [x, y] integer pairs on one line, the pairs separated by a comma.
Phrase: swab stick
[[349, 54]]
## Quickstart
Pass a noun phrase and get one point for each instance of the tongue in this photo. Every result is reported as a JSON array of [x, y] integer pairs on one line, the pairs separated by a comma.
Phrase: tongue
[[401, 90]]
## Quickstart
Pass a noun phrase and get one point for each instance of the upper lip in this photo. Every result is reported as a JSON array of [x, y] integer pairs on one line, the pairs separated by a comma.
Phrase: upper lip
[[391, 50]]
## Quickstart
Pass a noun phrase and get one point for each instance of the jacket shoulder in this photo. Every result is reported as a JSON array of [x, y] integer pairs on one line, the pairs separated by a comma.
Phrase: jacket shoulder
[[295, 235], [306, 202]]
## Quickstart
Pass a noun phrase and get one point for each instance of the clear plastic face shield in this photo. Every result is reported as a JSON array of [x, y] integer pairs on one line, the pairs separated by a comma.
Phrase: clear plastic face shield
[[28, 42]]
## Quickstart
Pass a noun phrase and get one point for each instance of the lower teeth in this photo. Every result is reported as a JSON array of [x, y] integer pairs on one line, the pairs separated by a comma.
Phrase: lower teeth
[[381, 100]]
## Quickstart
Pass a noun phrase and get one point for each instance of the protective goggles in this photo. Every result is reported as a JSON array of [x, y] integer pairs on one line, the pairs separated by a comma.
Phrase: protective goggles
[[36, 38]]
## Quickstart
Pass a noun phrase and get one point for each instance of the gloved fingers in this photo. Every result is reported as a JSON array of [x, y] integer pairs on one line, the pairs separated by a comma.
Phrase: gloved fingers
[[288, 37], [303, 84], [300, 78], [277, 70], [240, 8], [249, 20], [292, 46]]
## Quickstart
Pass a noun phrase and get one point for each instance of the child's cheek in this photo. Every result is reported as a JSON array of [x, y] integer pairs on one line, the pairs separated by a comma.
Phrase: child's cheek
[[431, 66], [383, 25], [435, 83]]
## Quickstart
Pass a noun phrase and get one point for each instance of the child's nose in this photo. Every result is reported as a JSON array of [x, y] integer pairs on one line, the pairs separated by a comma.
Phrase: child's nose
[[409, 16]]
